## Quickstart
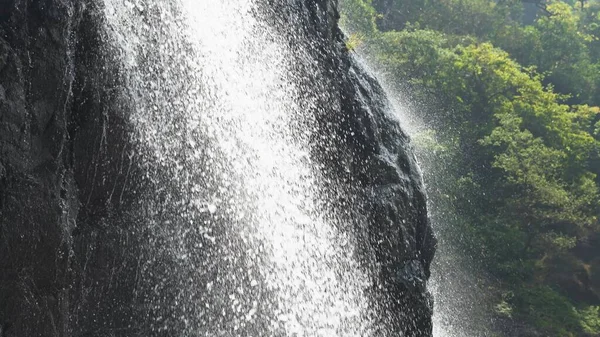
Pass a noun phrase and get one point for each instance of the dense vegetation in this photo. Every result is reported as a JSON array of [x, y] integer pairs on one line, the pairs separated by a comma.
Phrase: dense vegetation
[[510, 91]]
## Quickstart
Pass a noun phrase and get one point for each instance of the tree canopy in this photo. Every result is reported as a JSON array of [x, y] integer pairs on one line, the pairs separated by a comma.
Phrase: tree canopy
[[512, 104]]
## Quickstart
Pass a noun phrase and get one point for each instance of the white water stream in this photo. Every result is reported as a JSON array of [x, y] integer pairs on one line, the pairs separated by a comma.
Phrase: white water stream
[[209, 72]]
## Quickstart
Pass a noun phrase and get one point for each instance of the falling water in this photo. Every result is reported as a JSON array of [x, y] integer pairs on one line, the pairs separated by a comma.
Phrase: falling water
[[237, 242]]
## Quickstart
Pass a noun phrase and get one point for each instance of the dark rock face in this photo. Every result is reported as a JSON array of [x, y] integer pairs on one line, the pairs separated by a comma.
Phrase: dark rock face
[[71, 250], [38, 206], [381, 167], [368, 161], [67, 250]]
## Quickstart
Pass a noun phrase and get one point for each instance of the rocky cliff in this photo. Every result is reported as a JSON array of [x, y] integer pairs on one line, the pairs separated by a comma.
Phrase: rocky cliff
[[368, 156], [66, 174], [71, 252]]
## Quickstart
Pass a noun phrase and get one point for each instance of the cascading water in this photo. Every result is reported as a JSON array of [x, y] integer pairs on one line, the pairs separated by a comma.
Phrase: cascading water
[[237, 228], [202, 168]]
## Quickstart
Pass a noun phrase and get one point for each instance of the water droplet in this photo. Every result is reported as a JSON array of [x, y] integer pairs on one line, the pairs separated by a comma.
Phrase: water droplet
[[212, 208]]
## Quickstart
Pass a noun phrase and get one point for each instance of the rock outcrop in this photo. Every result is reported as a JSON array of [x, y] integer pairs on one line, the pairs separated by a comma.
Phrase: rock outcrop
[[67, 251], [70, 249], [368, 156]]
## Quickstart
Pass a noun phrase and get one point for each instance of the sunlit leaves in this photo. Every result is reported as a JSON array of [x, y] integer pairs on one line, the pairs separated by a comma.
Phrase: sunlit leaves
[[515, 131]]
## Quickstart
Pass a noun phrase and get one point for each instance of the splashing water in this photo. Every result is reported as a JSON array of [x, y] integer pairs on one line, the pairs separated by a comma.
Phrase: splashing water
[[458, 287], [216, 110]]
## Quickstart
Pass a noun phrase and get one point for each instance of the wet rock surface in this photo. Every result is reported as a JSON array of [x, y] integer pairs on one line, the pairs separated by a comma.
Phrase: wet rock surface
[[71, 241], [367, 160], [67, 248]]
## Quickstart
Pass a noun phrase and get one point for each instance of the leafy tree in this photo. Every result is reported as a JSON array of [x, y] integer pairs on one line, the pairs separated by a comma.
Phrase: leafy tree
[[513, 135]]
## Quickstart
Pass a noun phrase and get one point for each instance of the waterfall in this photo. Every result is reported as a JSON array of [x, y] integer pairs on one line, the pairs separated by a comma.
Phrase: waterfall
[[239, 240]]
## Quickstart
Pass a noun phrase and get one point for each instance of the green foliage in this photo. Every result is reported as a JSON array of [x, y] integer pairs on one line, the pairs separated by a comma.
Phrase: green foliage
[[354, 41], [547, 309], [504, 308], [516, 134], [358, 16], [564, 53], [590, 320], [590, 26], [554, 313]]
